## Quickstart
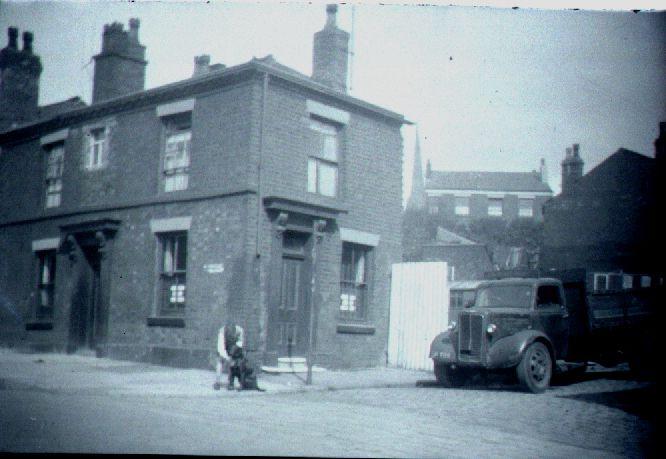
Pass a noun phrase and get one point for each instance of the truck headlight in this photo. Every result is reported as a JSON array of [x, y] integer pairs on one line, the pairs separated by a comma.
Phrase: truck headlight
[[491, 329], [452, 325]]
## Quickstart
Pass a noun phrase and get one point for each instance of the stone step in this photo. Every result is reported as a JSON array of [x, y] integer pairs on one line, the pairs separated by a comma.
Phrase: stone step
[[295, 369], [288, 362]]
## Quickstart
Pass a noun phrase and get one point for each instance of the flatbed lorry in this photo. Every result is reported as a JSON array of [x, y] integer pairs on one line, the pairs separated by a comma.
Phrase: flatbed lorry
[[535, 324]]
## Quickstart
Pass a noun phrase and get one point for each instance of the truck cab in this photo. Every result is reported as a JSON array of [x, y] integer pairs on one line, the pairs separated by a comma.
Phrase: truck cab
[[516, 323]]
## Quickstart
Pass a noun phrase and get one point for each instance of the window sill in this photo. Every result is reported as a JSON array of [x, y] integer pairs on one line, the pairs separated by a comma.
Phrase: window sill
[[173, 322], [34, 326], [356, 329]]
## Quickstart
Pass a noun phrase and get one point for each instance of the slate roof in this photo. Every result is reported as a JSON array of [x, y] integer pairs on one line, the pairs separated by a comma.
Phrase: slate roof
[[51, 110], [75, 112], [486, 181]]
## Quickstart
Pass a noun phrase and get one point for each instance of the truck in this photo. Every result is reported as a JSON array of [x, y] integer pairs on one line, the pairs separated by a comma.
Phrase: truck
[[535, 324]]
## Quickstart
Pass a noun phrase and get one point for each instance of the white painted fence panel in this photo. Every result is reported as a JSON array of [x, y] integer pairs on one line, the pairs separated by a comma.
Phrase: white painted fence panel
[[419, 311]]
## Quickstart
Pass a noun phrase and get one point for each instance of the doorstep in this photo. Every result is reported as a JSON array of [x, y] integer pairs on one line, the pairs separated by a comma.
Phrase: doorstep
[[279, 370], [291, 365]]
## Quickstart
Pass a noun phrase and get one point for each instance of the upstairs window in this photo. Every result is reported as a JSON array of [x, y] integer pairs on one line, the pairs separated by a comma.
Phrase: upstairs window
[[462, 205], [55, 163], [525, 207], [46, 261], [97, 147], [323, 162], [177, 152], [173, 273], [354, 281], [495, 207]]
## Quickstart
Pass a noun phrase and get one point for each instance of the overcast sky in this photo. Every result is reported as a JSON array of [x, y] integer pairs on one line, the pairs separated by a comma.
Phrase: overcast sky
[[490, 88]]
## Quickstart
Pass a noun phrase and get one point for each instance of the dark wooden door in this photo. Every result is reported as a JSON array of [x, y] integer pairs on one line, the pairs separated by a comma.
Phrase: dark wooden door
[[289, 328], [86, 300]]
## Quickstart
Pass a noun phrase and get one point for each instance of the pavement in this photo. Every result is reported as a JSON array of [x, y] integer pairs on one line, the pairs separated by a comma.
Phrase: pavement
[[76, 373]]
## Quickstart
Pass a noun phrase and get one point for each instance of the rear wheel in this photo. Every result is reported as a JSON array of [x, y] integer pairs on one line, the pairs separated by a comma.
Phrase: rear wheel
[[535, 368], [450, 377]]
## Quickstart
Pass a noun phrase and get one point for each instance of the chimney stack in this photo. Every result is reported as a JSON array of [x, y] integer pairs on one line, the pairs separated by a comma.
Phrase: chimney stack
[[19, 81], [330, 53], [572, 169], [201, 65], [120, 68], [543, 171]]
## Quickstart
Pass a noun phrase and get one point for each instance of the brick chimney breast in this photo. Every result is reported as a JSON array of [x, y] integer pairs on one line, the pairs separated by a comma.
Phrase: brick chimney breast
[[572, 169], [330, 53], [19, 81], [120, 68]]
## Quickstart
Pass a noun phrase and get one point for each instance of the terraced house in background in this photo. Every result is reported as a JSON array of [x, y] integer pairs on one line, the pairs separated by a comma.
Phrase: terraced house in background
[[137, 225], [467, 195]]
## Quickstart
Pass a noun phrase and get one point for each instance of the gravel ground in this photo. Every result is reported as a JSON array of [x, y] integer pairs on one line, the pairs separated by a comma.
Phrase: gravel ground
[[79, 404]]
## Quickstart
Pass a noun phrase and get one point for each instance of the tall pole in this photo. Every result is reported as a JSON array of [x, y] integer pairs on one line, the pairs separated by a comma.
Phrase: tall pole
[[318, 227]]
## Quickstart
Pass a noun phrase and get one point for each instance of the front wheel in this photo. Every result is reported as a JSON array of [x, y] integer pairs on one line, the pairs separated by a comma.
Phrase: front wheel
[[535, 368], [449, 377]]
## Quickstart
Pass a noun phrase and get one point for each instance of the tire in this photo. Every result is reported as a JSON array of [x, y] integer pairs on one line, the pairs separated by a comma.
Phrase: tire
[[449, 377], [535, 368]]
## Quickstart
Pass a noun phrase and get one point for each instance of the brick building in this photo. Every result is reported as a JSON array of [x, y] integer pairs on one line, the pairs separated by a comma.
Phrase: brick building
[[138, 225], [464, 196], [608, 219]]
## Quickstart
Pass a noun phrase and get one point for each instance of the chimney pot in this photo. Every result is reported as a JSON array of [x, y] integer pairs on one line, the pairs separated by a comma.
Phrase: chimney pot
[[134, 24], [569, 152], [575, 150], [331, 12], [12, 34], [27, 42]]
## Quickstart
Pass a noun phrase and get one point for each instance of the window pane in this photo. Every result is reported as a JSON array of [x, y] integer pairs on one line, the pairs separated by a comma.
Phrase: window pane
[[495, 207], [462, 205], [360, 267], [328, 177], [96, 143], [330, 148], [525, 207], [353, 280], [167, 265], [177, 160], [600, 282], [181, 254], [312, 175], [329, 140]]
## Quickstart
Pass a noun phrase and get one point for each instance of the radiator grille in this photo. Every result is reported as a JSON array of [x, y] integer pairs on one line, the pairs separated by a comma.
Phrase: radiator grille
[[470, 336]]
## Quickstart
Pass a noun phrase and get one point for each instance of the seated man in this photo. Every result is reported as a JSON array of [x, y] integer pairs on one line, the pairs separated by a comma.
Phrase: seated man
[[229, 337]]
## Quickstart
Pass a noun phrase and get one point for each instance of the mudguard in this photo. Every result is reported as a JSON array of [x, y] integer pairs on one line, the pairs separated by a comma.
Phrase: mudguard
[[441, 348], [506, 352]]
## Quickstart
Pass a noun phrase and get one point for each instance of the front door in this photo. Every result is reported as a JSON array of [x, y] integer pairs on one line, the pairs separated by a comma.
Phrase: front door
[[86, 300], [289, 329]]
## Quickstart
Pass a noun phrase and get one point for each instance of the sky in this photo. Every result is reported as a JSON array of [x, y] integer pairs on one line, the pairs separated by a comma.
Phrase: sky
[[487, 86]]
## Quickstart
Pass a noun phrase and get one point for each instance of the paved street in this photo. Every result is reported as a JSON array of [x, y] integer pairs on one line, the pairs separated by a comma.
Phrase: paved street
[[604, 415]]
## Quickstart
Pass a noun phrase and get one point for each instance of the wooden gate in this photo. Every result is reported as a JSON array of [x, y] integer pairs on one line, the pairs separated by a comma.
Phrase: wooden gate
[[418, 312]]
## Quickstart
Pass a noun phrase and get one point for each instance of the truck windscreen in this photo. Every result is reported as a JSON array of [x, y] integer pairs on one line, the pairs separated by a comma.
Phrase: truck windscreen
[[505, 296]]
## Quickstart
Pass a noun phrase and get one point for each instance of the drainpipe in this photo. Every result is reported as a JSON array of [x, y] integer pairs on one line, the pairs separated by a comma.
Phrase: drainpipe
[[319, 227], [264, 93], [262, 309]]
